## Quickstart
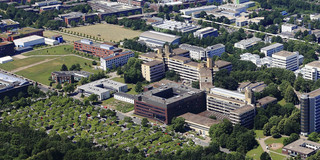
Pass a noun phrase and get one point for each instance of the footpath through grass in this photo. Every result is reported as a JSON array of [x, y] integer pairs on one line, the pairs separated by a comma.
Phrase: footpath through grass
[[255, 153], [17, 63]]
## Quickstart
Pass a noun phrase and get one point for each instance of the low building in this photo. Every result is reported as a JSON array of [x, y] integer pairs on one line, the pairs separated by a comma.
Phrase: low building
[[265, 101], [302, 147], [139, 3], [11, 85], [69, 76], [189, 11], [220, 64], [206, 32], [286, 60], [8, 23], [233, 7], [274, 48], [158, 39], [6, 49], [168, 101], [50, 42], [200, 124], [107, 8], [20, 33], [153, 71], [247, 43], [256, 87], [181, 52], [5, 59], [96, 49], [199, 53], [174, 26], [116, 59], [311, 71], [254, 58], [29, 41], [288, 27], [124, 97]]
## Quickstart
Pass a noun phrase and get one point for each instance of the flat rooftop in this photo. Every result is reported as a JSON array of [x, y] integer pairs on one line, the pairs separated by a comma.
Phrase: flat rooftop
[[227, 93], [266, 100], [152, 63], [314, 64], [102, 85], [272, 46], [179, 51], [221, 63], [160, 36], [27, 39], [191, 47], [10, 79], [314, 93], [303, 146], [180, 58], [284, 53], [198, 119], [76, 73]]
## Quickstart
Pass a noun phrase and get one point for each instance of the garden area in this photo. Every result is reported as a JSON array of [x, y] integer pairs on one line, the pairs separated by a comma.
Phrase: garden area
[[275, 144], [118, 105]]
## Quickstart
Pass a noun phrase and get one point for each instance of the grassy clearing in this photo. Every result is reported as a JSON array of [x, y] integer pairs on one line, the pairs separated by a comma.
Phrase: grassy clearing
[[17, 63], [118, 105], [65, 36], [282, 102], [275, 140], [259, 133], [42, 71], [108, 32], [277, 156], [58, 50], [255, 153]]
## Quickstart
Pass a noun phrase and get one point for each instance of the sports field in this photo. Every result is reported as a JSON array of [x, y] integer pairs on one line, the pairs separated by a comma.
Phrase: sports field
[[108, 32]]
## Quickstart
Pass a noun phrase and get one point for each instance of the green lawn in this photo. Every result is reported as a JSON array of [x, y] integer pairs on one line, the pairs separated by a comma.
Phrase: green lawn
[[277, 156], [118, 105], [255, 153], [130, 85], [42, 71], [275, 140], [282, 102], [259, 133], [17, 63], [58, 50]]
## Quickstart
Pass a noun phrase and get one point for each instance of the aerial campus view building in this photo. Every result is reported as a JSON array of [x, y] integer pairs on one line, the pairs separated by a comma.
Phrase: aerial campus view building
[[199, 53], [115, 59], [96, 49], [274, 48], [158, 39], [285, 59], [302, 147], [69, 76], [11, 85]]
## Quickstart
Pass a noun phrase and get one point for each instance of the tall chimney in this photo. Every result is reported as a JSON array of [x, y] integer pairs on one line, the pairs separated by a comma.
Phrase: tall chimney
[[209, 63], [249, 96]]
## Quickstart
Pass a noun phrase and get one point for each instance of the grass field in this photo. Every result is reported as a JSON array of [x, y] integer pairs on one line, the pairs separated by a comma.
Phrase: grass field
[[277, 156], [282, 102], [275, 140], [42, 71], [58, 50], [65, 36], [17, 63], [259, 133], [118, 105], [255, 153], [108, 32]]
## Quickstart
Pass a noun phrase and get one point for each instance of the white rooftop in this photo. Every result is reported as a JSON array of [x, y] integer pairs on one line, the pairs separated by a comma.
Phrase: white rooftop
[[227, 93], [28, 39]]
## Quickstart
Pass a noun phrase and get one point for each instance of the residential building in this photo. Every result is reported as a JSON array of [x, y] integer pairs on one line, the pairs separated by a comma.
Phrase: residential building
[[11, 85], [29, 41], [265, 101], [238, 107], [309, 110], [220, 64], [124, 97], [116, 59], [288, 27], [311, 71], [206, 32], [198, 123], [285, 59], [5, 59], [20, 33], [175, 26], [69, 76], [274, 48], [96, 49], [168, 101], [254, 58], [153, 70], [189, 11], [158, 39], [199, 53], [8, 23], [247, 43], [6, 48], [102, 88], [302, 147]]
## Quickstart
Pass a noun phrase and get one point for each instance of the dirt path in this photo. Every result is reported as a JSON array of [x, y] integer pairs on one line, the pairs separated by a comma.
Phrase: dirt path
[[31, 65]]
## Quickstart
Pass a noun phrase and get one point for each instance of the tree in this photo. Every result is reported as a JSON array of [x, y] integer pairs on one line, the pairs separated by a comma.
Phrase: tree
[[64, 68], [69, 88], [138, 88], [195, 84], [58, 86], [144, 122], [177, 124], [265, 156], [290, 96], [94, 63], [313, 137], [93, 98]]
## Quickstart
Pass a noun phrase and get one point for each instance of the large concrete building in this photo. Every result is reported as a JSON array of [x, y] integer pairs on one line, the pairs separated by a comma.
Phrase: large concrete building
[[189, 11], [286, 60], [29, 41], [116, 59], [6, 49], [96, 49], [20, 33], [309, 108], [288, 27], [158, 39], [274, 48], [8, 23], [206, 32], [11, 85], [174, 26], [237, 107], [199, 53], [168, 101], [302, 147], [311, 71], [153, 70], [247, 43], [220, 64]]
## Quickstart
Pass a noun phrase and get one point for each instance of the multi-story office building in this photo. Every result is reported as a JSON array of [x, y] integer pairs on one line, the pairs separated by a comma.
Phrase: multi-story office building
[[220, 64], [11, 85], [168, 101], [187, 69], [206, 32], [274, 48], [247, 43], [233, 7], [288, 27], [285, 59], [6, 49], [238, 107], [116, 59], [174, 26], [158, 39], [199, 53], [310, 112], [181, 52], [311, 71], [153, 70], [96, 49]]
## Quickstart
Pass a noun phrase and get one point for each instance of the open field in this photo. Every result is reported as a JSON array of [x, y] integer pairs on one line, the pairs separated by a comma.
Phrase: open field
[[277, 156], [108, 32], [17, 63], [255, 153], [42, 72], [58, 50], [282, 102], [259, 133], [118, 105], [65, 36], [275, 140]]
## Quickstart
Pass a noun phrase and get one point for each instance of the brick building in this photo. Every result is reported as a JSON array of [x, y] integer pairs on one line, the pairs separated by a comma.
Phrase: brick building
[[20, 33], [96, 49]]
